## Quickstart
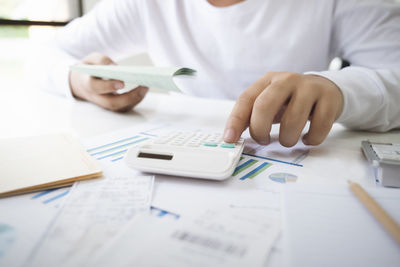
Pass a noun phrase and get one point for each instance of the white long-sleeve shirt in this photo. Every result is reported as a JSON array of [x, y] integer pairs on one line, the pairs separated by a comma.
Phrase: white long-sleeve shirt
[[231, 47]]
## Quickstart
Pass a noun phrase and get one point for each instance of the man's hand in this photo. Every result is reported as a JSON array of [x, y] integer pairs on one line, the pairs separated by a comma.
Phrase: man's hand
[[288, 98], [103, 92]]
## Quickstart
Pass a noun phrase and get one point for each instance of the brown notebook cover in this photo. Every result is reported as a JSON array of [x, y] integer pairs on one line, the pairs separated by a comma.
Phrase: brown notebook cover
[[42, 162]]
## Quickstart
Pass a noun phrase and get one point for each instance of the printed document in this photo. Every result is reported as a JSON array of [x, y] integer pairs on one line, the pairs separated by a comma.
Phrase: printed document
[[210, 237], [93, 212]]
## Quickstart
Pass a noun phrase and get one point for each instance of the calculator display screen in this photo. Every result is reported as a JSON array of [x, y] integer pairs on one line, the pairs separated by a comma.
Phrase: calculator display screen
[[154, 156]]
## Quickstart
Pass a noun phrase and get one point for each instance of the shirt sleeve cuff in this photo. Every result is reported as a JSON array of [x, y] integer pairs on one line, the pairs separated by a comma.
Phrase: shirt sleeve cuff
[[356, 89]]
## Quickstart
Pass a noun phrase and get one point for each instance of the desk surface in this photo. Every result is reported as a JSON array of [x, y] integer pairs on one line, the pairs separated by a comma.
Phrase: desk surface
[[31, 112]]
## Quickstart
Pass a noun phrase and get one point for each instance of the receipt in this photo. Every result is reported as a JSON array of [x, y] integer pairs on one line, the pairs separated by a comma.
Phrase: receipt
[[211, 237]]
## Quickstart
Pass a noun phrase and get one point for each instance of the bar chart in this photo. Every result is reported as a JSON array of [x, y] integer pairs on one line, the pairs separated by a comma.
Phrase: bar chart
[[52, 196], [248, 168], [115, 150]]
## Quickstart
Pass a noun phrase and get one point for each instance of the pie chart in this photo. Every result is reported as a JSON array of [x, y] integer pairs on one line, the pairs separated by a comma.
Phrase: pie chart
[[283, 177]]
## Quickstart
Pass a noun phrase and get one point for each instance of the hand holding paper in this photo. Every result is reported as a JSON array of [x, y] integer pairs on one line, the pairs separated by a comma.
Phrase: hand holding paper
[[156, 77]]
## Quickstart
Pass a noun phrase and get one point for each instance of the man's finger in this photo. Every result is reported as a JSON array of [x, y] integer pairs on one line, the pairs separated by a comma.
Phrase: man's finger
[[100, 86], [97, 85], [295, 118], [122, 102], [239, 118], [266, 107], [98, 59], [321, 122]]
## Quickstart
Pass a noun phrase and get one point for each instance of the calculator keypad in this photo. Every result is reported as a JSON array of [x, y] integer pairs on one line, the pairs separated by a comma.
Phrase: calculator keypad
[[387, 152], [193, 139]]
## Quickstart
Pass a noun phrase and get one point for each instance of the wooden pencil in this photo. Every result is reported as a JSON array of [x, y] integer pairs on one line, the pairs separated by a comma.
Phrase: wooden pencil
[[376, 210]]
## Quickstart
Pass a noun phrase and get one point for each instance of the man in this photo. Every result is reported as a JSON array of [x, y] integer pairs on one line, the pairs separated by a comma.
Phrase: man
[[269, 55]]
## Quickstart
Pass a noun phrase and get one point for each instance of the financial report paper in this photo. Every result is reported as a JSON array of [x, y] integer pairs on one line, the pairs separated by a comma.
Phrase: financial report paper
[[212, 237], [93, 212]]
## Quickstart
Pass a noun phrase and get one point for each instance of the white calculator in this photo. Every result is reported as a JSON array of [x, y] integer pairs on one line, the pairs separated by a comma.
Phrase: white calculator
[[190, 154]]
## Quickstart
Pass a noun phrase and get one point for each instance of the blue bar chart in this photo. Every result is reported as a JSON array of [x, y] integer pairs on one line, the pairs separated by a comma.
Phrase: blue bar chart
[[248, 168], [115, 150], [51, 196]]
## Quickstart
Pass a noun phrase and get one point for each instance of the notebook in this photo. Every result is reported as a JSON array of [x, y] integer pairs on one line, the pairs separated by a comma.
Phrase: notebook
[[153, 77], [42, 162]]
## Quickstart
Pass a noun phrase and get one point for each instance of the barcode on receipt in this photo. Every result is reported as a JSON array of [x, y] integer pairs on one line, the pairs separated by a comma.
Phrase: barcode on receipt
[[211, 243]]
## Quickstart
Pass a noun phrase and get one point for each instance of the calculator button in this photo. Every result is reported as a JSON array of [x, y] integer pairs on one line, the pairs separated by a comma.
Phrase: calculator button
[[178, 141], [226, 145], [193, 144], [210, 144]]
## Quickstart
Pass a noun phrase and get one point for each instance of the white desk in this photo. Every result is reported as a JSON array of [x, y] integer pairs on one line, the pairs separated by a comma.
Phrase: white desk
[[25, 112]]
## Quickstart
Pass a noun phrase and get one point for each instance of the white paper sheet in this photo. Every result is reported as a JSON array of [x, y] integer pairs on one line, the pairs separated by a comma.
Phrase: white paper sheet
[[153, 77], [23, 220], [275, 151], [93, 212], [210, 237], [328, 226]]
